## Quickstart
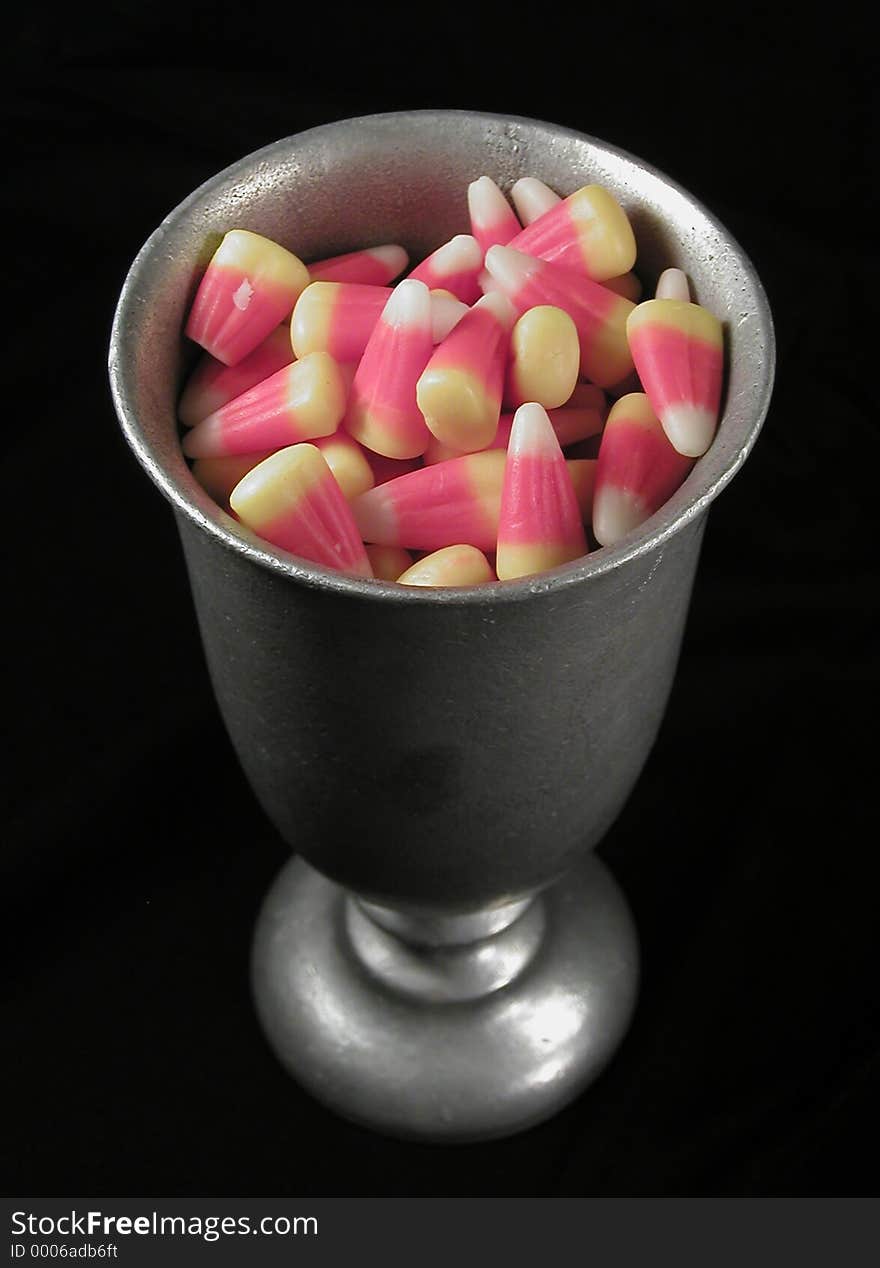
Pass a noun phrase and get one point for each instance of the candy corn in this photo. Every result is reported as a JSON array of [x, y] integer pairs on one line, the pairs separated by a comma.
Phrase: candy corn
[[583, 480], [301, 401], [572, 424], [459, 391], [376, 266], [382, 412], [587, 232], [292, 500], [446, 313], [339, 317], [212, 383], [385, 469], [437, 452], [678, 353], [492, 220], [454, 267], [447, 504], [347, 462], [637, 469], [219, 476], [673, 284], [486, 282], [451, 566], [599, 315], [388, 562], [588, 396], [250, 285], [544, 358], [336, 317], [532, 198], [627, 285], [540, 524]]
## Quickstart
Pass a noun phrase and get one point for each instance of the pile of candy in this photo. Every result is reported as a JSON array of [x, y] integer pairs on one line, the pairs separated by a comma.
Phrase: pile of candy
[[379, 421]]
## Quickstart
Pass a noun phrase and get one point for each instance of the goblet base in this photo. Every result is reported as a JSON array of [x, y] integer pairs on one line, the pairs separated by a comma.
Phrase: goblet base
[[472, 1040]]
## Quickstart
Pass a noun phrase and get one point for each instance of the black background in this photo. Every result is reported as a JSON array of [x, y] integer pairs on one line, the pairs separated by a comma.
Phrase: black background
[[135, 858]]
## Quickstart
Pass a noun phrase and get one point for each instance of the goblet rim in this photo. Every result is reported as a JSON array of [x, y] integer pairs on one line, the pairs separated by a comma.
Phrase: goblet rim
[[710, 474]]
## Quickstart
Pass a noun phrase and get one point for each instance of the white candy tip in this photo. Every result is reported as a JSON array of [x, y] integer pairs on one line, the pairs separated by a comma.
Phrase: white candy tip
[[409, 304], [499, 306], [689, 428], [532, 198], [616, 512], [446, 313], [532, 432], [203, 440], [458, 254], [673, 284], [509, 268], [485, 201], [392, 256]]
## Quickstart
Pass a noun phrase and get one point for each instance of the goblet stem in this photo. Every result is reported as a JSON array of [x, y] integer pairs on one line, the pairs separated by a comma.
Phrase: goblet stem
[[441, 959], [445, 1027], [422, 928]]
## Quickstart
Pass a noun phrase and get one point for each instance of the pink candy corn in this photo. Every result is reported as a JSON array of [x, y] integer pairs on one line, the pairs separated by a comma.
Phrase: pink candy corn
[[454, 267], [599, 315], [376, 266], [532, 198], [575, 423], [632, 383], [448, 504], [339, 317], [336, 317], [637, 469], [588, 396], [250, 285], [451, 566], [486, 282], [459, 391], [301, 401], [544, 358], [627, 285], [212, 383], [678, 352], [347, 462], [492, 220], [219, 476], [382, 411], [572, 424], [540, 524], [388, 562], [292, 500], [436, 452], [446, 313], [587, 232], [385, 469], [583, 480]]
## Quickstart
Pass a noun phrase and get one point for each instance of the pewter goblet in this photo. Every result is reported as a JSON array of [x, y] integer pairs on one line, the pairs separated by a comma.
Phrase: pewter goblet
[[445, 958]]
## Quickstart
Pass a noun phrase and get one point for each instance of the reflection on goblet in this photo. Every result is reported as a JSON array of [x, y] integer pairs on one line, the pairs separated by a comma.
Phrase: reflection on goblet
[[445, 957]]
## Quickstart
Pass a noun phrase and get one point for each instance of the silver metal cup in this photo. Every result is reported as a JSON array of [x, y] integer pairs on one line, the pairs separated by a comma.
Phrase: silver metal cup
[[445, 958]]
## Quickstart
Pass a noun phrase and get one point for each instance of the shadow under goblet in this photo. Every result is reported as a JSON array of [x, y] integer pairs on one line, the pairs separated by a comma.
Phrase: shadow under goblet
[[445, 958]]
